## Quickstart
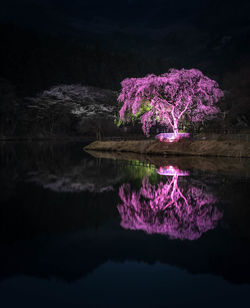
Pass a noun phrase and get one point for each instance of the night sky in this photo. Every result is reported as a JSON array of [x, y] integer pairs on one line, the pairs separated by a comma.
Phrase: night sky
[[153, 19], [100, 43]]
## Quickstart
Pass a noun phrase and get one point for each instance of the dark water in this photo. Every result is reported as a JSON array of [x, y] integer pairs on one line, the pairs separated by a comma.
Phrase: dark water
[[80, 231]]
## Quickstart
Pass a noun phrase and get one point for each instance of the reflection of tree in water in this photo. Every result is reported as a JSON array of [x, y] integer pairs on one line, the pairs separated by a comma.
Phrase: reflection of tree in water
[[61, 167], [184, 212], [86, 176]]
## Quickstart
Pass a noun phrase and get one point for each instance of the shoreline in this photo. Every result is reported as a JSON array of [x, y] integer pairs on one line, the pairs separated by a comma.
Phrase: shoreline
[[213, 148], [219, 165], [47, 139]]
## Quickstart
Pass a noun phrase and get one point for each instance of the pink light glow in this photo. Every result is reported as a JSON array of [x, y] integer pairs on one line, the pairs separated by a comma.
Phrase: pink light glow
[[171, 137], [171, 170], [180, 213]]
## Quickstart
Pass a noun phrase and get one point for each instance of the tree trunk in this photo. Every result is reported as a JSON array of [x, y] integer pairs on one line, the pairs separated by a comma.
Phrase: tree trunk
[[175, 128]]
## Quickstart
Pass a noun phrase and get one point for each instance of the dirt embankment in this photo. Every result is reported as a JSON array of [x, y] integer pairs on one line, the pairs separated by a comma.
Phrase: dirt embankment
[[226, 148]]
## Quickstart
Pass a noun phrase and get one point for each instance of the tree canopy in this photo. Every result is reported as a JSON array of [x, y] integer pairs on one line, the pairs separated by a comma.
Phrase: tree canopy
[[167, 98]]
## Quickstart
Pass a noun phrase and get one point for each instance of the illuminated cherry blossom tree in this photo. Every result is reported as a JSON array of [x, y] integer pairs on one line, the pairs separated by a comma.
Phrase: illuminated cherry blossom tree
[[167, 98], [179, 212]]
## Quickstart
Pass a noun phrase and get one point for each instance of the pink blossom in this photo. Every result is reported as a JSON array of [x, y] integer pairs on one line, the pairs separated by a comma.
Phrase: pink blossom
[[170, 95]]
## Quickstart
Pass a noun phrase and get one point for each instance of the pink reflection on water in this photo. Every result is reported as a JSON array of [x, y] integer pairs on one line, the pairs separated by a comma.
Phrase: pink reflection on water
[[165, 208], [171, 137], [171, 170]]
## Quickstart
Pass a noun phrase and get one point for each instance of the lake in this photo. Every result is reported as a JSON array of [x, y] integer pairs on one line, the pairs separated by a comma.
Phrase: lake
[[120, 230]]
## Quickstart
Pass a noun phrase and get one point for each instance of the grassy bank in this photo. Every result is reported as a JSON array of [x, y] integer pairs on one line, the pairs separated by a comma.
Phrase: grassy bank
[[226, 148]]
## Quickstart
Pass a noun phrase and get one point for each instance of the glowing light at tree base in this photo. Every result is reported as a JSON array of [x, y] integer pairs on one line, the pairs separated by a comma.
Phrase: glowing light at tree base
[[171, 171], [171, 137]]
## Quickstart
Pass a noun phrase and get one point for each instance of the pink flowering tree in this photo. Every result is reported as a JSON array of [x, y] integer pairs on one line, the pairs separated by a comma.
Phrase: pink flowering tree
[[167, 98], [178, 211]]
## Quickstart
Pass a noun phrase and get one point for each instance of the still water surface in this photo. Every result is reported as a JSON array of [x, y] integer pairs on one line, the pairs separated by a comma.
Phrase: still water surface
[[97, 230]]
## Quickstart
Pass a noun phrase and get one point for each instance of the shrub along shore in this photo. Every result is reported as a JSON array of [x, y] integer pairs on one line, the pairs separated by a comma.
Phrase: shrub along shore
[[226, 148]]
